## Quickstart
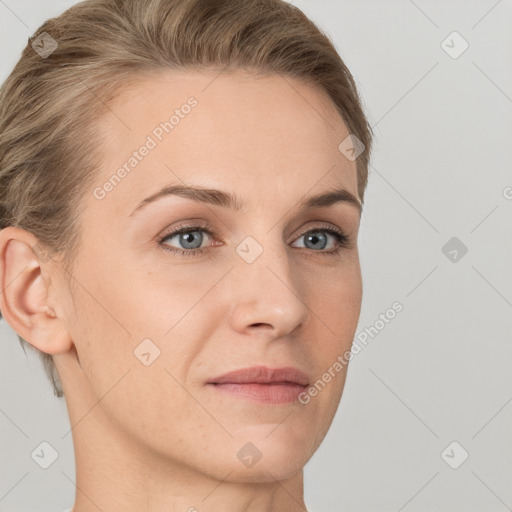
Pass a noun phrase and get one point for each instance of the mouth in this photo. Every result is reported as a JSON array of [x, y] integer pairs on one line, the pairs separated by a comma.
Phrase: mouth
[[262, 384]]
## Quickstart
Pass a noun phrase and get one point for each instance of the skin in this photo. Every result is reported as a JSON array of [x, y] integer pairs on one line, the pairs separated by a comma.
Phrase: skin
[[156, 437]]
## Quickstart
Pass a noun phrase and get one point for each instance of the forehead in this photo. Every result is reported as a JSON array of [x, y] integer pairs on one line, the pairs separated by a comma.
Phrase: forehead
[[237, 131]]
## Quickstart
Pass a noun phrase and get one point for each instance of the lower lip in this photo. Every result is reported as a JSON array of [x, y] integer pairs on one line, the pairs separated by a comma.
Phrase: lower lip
[[278, 393]]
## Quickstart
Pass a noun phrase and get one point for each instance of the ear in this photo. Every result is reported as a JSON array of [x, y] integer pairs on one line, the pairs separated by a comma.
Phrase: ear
[[24, 292]]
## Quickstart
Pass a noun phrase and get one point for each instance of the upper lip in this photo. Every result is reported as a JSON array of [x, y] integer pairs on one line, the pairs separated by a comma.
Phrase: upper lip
[[263, 375]]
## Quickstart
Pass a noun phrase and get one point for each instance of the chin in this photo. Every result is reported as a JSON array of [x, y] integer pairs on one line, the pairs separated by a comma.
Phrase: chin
[[266, 458]]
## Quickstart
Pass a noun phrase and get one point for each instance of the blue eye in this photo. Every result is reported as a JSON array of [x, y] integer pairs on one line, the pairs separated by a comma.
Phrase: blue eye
[[191, 238], [314, 236]]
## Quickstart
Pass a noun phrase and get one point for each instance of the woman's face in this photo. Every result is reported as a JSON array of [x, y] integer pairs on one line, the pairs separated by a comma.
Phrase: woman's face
[[152, 326]]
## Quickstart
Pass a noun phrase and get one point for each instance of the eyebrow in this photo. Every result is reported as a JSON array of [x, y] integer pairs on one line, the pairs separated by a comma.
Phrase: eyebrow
[[228, 200]]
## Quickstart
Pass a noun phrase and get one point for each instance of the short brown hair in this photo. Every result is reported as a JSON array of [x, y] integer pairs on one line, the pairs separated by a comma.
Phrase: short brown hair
[[48, 104]]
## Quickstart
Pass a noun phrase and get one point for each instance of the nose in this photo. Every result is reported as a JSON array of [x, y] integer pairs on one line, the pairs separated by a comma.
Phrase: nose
[[268, 295]]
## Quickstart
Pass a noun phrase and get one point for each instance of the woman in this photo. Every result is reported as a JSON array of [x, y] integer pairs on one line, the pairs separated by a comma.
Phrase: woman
[[181, 184]]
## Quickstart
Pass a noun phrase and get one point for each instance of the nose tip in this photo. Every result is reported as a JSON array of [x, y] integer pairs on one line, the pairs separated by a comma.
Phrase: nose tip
[[269, 307]]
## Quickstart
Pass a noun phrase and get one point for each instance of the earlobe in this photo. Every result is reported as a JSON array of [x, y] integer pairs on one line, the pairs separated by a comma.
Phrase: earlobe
[[25, 291]]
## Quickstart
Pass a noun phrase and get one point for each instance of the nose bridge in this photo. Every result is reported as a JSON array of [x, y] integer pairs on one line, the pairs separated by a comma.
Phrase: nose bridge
[[266, 290]]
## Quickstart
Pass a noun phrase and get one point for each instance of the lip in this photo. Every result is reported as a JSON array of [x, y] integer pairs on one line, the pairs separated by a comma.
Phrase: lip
[[262, 384], [263, 375]]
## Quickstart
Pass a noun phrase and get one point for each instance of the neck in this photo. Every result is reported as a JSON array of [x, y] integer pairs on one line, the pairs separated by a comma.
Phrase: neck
[[115, 473]]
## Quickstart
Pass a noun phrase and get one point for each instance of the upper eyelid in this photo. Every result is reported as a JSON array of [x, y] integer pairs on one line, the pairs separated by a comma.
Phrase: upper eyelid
[[198, 227]]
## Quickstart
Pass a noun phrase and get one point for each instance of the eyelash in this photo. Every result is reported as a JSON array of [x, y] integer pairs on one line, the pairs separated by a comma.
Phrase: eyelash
[[341, 238]]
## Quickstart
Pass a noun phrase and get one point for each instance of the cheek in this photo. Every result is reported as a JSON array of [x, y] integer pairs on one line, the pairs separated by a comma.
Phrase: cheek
[[177, 302], [335, 306], [336, 296], [136, 397]]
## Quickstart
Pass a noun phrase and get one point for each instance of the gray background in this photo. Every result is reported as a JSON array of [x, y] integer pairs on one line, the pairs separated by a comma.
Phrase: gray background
[[440, 370]]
